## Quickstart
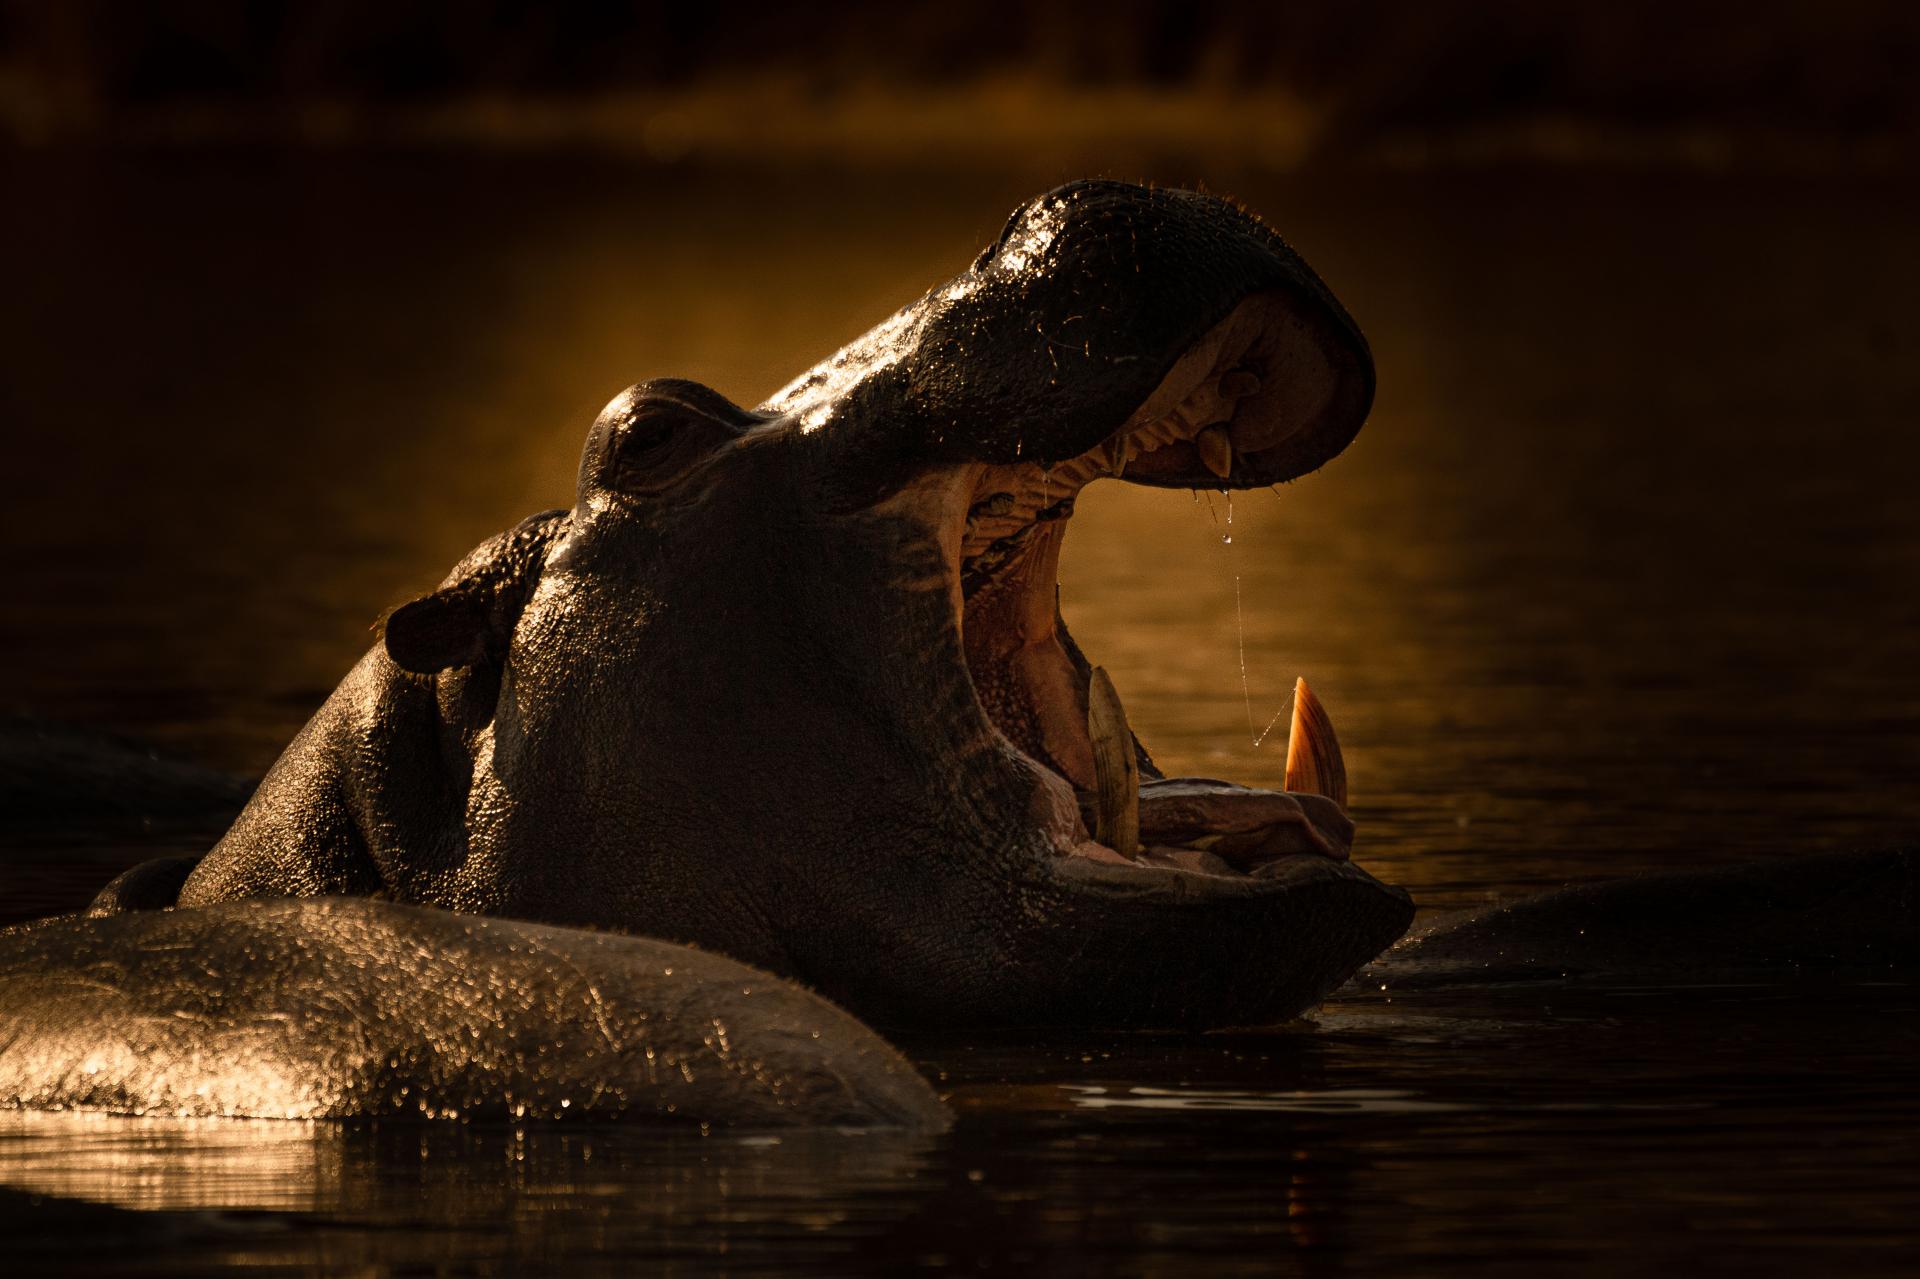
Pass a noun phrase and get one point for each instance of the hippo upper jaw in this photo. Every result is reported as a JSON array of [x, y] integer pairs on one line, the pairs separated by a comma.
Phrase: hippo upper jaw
[[1105, 315]]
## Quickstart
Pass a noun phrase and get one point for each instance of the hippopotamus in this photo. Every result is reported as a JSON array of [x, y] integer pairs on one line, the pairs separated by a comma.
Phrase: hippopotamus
[[784, 700], [791, 683]]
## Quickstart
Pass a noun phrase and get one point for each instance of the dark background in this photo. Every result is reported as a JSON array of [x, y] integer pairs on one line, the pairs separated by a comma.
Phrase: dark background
[[1768, 81], [300, 302]]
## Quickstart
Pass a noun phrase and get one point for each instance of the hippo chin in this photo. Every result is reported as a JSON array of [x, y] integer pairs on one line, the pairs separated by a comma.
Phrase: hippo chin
[[791, 683]]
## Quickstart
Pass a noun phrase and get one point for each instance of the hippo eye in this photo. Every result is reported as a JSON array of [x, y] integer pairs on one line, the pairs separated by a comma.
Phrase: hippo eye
[[654, 433], [646, 435], [646, 450]]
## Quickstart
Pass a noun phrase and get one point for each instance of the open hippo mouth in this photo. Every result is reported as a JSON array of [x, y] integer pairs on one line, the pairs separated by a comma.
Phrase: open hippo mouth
[[1161, 338], [1253, 382]]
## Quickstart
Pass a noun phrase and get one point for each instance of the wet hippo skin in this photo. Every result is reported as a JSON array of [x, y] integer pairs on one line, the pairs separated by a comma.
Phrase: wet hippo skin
[[339, 1007]]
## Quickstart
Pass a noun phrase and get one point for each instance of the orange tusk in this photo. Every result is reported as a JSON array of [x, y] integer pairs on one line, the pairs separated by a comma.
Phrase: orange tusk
[[1314, 765], [1116, 769]]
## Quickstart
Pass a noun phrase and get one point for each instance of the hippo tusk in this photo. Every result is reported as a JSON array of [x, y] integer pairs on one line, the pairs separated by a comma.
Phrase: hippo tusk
[[1314, 765], [1116, 768], [1216, 450]]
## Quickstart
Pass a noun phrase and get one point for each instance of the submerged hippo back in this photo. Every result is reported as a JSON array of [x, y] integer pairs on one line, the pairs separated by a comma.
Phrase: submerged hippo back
[[333, 1008]]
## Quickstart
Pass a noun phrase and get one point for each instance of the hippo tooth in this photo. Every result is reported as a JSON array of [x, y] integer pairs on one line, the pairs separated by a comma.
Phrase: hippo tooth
[[1116, 769], [1237, 384], [1314, 765], [995, 507], [1117, 455], [1216, 450]]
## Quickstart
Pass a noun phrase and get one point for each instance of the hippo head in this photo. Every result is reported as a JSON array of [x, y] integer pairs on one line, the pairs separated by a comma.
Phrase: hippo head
[[792, 682]]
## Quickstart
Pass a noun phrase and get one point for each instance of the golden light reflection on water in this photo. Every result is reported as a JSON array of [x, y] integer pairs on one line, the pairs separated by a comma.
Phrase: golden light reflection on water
[[1492, 1129], [1381, 1101], [169, 1164], [448, 1171]]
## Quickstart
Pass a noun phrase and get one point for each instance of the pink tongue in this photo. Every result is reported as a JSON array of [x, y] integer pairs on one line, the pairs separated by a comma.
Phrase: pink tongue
[[1244, 827]]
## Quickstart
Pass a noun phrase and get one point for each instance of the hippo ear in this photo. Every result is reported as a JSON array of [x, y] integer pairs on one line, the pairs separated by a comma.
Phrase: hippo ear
[[437, 631], [472, 615]]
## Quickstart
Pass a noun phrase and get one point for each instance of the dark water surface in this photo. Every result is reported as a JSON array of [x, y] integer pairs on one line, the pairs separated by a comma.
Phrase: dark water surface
[[1621, 575]]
